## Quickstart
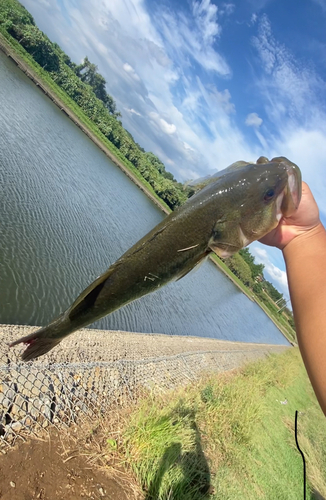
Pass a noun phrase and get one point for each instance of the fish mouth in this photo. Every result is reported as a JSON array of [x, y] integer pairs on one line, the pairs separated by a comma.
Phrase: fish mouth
[[289, 199]]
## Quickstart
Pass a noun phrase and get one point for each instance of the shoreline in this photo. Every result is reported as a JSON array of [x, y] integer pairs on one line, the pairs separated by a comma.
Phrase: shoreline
[[90, 371], [28, 71], [90, 345]]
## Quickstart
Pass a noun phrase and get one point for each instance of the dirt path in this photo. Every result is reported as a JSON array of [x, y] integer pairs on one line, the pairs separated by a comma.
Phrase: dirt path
[[54, 469]]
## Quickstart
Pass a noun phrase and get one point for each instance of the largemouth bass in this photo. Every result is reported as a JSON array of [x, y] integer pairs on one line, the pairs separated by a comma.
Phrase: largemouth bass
[[239, 205]]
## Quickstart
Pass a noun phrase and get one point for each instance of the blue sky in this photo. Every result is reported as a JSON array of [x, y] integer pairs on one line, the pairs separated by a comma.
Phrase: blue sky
[[203, 84]]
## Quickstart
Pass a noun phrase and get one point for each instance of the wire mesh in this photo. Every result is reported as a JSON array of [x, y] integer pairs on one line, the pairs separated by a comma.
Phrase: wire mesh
[[93, 369]]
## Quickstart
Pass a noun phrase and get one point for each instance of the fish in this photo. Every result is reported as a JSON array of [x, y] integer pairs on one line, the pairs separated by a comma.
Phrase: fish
[[240, 204]]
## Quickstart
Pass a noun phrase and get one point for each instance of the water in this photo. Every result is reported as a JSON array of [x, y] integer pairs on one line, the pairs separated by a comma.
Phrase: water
[[67, 213]]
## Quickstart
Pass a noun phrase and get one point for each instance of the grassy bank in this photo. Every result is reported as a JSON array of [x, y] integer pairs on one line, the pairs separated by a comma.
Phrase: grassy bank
[[42, 78], [228, 437], [233, 277], [272, 311]]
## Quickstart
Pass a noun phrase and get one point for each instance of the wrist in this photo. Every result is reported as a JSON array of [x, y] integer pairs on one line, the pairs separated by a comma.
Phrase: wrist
[[305, 241]]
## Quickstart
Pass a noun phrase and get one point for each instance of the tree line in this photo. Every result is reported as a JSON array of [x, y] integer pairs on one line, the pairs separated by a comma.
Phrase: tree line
[[87, 87]]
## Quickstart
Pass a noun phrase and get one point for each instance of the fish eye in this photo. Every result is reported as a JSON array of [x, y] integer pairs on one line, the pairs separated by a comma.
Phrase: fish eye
[[269, 194]]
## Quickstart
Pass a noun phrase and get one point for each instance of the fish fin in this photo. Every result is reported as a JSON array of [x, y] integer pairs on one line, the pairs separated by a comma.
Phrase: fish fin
[[88, 297], [37, 345], [195, 266], [202, 182]]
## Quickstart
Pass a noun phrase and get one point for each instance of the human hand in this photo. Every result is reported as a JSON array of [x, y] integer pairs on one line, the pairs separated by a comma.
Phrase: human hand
[[302, 221]]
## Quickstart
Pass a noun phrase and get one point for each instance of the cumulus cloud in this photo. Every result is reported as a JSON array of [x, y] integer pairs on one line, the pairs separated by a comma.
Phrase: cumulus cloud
[[167, 128], [253, 120], [292, 96]]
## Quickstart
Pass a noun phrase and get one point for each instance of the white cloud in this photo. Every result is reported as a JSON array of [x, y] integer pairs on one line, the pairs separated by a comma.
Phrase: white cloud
[[131, 110], [129, 69], [253, 19], [168, 128], [286, 84], [205, 15], [192, 37], [227, 9], [188, 147], [293, 100], [253, 120]]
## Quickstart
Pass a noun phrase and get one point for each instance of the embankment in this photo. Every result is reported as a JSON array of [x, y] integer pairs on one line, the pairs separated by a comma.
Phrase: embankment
[[92, 370]]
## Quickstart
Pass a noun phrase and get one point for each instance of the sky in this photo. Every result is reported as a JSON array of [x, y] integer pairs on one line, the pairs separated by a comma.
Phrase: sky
[[203, 84]]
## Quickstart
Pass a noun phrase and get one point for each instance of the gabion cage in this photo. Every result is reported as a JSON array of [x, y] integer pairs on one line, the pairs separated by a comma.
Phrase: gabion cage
[[93, 369]]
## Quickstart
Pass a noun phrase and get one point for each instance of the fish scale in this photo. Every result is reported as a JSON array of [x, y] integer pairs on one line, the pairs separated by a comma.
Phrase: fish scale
[[239, 205]]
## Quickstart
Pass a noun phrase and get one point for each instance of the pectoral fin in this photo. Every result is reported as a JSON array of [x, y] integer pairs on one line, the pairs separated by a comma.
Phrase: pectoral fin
[[88, 297], [193, 266]]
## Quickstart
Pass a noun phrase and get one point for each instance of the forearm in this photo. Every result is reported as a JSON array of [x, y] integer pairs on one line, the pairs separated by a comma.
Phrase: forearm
[[305, 259]]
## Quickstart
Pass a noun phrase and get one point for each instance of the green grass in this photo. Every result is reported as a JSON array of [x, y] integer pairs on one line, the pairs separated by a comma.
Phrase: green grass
[[228, 437], [271, 310], [234, 278]]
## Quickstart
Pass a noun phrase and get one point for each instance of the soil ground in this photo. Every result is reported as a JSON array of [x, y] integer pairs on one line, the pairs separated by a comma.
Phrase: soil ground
[[53, 469]]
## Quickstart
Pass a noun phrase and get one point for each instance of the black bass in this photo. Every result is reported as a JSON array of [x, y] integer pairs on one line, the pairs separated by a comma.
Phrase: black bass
[[237, 206]]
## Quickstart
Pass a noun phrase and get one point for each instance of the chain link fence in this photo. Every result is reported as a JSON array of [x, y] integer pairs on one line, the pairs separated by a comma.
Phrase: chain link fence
[[92, 370]]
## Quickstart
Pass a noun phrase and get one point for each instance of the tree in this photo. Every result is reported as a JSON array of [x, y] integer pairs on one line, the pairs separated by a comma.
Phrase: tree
[[40, 47], [88, 73], [240, 268], [272, 292], [256, 269], [14, 15]]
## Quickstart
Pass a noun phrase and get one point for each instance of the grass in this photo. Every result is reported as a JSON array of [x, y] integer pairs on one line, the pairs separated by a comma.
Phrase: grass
[[281, 321], [233, 277], [228, 437], [271, 311]]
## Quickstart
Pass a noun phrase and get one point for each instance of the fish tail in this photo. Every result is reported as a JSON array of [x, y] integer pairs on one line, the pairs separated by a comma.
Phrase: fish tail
[[43, 340]]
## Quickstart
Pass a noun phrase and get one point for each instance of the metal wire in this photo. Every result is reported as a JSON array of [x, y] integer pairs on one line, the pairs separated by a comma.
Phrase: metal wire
[[92, 370]]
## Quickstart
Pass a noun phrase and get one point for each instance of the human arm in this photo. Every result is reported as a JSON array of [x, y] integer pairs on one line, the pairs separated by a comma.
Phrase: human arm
[[302, 239]]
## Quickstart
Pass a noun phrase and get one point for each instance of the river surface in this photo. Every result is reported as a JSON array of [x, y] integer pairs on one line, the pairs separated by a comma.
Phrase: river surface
[[67, 213]]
